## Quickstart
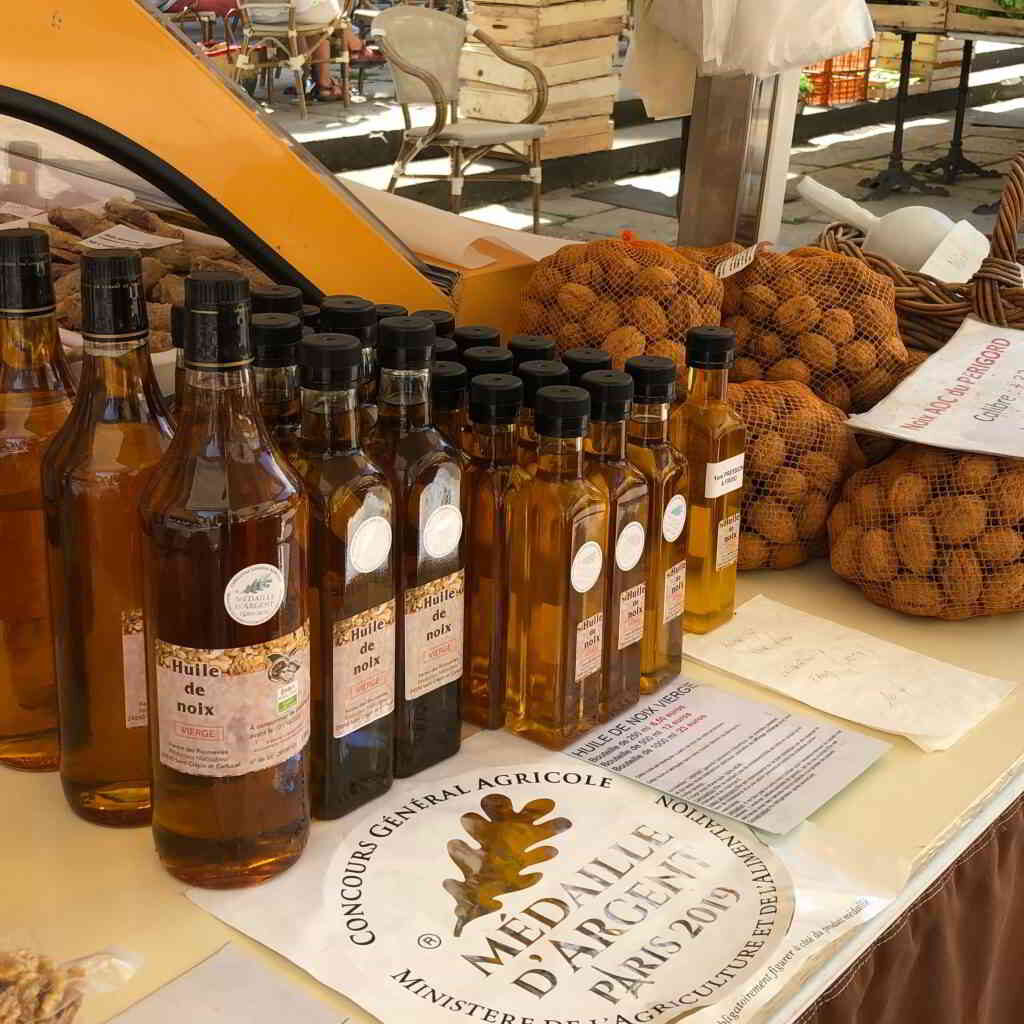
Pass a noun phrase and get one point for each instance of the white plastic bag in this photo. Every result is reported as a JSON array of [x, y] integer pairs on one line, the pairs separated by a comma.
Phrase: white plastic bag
[[767, 38]]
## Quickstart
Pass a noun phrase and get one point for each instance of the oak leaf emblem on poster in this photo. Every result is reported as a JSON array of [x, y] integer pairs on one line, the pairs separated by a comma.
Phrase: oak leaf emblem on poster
[[497, 866]]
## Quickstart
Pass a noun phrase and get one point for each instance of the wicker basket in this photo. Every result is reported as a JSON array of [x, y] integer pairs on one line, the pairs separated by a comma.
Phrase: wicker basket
[[930, 311]]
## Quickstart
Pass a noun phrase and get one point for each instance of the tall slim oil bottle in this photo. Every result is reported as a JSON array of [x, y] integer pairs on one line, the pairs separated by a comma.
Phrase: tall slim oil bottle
[[714, 439], [93, 476], [178, 341], [224, 522], [476, 336], [275, 349], [668, 483], [35, 399], [526, 348], [492, 479], [535, 374], [352, 583], [557, 531], [583, 360], [449, 386], [426, 474], [351, 314], [624, 488]]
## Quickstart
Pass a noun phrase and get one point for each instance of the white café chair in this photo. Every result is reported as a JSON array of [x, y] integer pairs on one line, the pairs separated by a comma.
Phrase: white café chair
[[423, 47]]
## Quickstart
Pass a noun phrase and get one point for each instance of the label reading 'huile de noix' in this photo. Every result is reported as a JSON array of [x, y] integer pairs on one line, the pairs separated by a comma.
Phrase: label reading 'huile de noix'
[[675, 592], [589, 636], [434, 634], [224, 713], [724, 477], [631, 615], [364, 668], [133, 659]]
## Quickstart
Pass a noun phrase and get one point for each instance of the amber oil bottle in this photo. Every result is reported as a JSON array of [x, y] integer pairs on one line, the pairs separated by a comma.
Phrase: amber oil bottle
[[535, 374], [351, 314], [528, 347], [449, 386], [275, 342]]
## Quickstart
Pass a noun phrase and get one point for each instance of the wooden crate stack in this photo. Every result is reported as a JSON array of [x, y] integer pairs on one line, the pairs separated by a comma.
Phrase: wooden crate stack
[[574, 43], [935, 60]]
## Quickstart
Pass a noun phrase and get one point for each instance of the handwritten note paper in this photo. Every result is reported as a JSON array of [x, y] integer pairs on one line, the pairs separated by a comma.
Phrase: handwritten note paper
[[850, 674]]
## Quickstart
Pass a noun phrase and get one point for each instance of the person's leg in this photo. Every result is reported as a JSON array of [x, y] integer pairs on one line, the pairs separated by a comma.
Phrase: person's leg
[[325, 86]]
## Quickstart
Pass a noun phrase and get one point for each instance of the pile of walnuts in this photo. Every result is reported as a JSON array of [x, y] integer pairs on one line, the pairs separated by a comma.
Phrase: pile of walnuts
[[934, 532], [799, 451], [34, 991], [627, 297], [823, 320]]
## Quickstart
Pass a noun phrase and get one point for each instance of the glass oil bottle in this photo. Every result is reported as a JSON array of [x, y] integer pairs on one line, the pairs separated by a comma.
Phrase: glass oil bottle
[[449, 384], [350, 314], [275, 341], [535, 374], [528, 347], [582, 360]]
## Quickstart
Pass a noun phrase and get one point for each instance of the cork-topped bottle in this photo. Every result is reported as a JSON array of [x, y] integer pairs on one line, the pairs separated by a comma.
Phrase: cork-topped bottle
[[557, 533], [93, 475], [224, 522], [352, 583], [35, 399]]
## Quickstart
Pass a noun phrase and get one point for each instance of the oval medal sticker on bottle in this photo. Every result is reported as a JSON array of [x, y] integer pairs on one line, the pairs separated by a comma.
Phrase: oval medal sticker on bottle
[[443, 531], [254, 594], [674, 519], [370, 545], [630, 546], [586, 567]]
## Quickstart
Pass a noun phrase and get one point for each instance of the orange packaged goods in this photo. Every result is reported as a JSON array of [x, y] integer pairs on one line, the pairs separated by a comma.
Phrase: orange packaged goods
[[934, 532], [824, 320], [627, 297], [799, 451]]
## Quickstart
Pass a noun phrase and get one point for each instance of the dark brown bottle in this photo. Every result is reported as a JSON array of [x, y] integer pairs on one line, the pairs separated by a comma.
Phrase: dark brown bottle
[[492, 478], [624, 488], [426, 473], [352, 583], [350, 314], [93, 475], [227, 629], [449, 384], [35, 399], [275, 344], [535, 374]]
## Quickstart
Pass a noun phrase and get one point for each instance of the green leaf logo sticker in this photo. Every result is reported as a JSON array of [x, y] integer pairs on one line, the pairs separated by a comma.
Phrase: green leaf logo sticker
[[496, 867]]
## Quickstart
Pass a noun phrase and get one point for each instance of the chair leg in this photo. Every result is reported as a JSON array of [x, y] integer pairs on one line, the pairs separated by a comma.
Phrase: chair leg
[[239, 62], [455, 182], [300, 75], [535, 172], [400, 162]]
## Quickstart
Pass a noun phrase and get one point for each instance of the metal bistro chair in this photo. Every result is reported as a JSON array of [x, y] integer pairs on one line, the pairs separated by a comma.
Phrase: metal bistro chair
[[280, 42], [423, 47]]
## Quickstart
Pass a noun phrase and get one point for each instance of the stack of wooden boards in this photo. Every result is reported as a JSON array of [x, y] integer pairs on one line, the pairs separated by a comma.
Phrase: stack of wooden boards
[[935, 63], [574, 43]]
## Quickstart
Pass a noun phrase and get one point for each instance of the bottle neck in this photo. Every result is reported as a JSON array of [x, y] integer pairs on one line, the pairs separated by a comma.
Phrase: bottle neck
[[31, 357], [607, 439], [707, 386], [330, 420], [560, 457], [403, 399], [118, 383], [648, 422], [494, 443], [218, 409]]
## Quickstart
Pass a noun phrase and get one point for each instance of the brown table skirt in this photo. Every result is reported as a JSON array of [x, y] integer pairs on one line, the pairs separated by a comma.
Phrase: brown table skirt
[[956, 956]]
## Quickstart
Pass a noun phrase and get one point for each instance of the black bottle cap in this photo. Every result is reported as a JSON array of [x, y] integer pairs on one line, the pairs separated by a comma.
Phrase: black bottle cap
[[525, 347], [710, 348], [610, 393], [217, 324], [26, 284], [178, 321], [330, 362], [349, 314], [443, 321], [654, 378], [113, 301], [405, 342], [561, 411], [274, 338], [386, 309], [474, 335], [583, 360], [310, 316], [495, 398], [448, 383], [276, 298], [540, 373], [446, 349], [487, 359]]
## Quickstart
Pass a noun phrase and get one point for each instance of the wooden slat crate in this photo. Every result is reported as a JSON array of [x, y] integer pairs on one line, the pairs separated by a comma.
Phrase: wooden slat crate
[[479, 65], [588, 98], [919, 16], [995, 21], [521, 25]]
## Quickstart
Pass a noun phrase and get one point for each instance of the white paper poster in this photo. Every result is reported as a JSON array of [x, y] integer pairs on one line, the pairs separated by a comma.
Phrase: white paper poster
[[850, 674], [122, 237], [968, 396], [748, 760], [518, 886]]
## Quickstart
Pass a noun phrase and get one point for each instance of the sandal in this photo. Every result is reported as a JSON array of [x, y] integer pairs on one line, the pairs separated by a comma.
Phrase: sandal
[[327, 93]]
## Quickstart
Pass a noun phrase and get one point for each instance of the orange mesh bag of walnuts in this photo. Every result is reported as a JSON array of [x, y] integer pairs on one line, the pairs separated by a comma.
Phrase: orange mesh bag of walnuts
[[934, 532], [799, 451], [824, 320], [628, 297]]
